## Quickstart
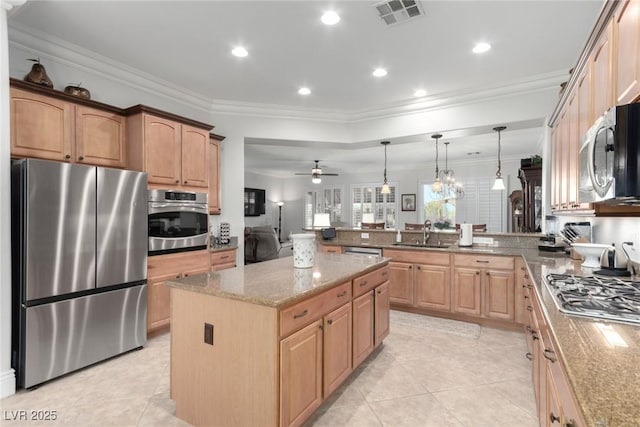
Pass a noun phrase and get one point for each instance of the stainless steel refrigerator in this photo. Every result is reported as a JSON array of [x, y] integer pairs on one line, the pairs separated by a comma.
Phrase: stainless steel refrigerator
[[79, 266]]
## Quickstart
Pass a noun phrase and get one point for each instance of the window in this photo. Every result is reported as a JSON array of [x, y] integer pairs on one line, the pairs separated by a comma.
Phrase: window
[[441, 213], [369, 203], [480, 205], [324, 200]]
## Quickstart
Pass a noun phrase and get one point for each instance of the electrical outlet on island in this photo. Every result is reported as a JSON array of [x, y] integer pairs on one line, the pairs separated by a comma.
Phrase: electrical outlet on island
[[364, 235]]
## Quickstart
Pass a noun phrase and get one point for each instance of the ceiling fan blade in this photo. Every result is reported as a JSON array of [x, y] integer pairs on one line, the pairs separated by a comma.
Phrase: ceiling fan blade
[[302, 173], [329, 174]]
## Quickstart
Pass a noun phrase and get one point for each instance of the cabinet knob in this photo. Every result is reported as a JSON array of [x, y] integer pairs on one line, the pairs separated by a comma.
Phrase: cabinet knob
[[186, 182], [477, 273], [178, 276], [177, 181], [529, 356], [553, 418], [68, 156], [330, 321], [419, 268], [81, 158], [342, 294], [529, 308], [186, 274]]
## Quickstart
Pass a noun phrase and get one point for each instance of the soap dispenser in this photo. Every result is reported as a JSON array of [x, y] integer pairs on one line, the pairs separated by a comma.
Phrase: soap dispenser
[[398, 237]]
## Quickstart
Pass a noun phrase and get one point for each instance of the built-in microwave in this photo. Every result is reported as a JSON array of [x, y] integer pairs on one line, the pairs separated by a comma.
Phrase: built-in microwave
[[178, 221], [610, 158]]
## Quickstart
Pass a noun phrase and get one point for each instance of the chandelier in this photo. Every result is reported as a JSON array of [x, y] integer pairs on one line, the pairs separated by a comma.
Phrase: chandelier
[[445, 185]]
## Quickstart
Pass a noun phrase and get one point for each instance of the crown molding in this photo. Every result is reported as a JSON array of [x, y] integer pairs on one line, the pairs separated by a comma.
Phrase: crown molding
[[74, 56], [69, 54]]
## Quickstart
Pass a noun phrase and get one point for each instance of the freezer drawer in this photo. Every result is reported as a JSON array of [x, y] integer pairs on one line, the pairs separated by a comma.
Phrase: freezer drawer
[[67, 335]]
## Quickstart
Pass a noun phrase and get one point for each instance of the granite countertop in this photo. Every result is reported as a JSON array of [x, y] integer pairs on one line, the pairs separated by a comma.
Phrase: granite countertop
[[277, 283], [605, 377]]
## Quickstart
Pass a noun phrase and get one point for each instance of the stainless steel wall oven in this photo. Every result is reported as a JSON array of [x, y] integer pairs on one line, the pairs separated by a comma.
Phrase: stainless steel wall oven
[[178, 221]]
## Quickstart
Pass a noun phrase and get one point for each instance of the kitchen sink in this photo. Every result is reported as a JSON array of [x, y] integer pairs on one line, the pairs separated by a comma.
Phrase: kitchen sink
[[420, 245]]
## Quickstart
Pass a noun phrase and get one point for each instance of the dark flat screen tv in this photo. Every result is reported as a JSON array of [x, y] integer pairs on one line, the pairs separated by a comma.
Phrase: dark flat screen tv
[[254, 200]]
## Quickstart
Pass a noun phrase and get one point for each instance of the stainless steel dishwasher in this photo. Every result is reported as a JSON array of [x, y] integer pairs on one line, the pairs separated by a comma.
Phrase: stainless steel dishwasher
[[361, 251]]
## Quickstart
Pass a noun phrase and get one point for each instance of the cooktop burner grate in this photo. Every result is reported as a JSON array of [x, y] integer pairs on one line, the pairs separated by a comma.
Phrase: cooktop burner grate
[[601, 297]]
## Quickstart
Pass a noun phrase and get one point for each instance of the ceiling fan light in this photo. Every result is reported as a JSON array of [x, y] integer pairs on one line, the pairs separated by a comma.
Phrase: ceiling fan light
[[316, 179], [498, 184]]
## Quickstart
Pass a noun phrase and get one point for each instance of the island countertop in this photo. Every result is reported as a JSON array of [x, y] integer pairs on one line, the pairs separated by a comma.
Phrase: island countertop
[[277, 283]]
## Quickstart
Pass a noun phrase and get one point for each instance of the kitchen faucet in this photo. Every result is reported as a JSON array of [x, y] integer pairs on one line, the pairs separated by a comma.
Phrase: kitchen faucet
[[426, 231]]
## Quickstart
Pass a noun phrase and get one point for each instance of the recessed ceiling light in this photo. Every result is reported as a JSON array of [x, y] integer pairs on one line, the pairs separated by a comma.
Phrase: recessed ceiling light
[[304, 91], [330, 18], [481, 47], [419, 93], [240, 52], [379, 72]]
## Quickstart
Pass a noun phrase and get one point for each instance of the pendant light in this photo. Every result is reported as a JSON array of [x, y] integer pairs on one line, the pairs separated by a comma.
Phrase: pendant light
[[385, 185], [437, 184], [499, 183]]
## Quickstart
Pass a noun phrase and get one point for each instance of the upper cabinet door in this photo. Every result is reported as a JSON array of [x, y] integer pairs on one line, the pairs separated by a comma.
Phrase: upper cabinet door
[[601, 74], [100, 137], [214, 177], [195, 157], [40, 126], [162, 150], [627, 52]]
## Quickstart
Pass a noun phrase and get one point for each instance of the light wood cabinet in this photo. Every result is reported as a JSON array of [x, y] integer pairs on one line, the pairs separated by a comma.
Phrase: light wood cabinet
[[401, 283], [214, 175], [221, 260], [467, 291], [554, 398], [301, 374], [433, 286], [381, 313], [332, 249], [161, 268], [601, 73], [50, 128], [607, 74], [173, 154], [420, 279], [100, 137], [484, 286], [627, 51], [337, 355], [363, 327]]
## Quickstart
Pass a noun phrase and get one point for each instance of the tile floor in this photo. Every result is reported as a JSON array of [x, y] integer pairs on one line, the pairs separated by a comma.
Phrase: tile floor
[[429, 372]]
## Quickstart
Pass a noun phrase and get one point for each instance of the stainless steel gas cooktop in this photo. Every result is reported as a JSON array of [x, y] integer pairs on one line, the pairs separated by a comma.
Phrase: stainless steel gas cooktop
[[598, 297]]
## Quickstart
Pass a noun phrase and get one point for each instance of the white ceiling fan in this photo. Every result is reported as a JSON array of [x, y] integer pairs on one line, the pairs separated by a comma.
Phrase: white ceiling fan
[[316, 173]]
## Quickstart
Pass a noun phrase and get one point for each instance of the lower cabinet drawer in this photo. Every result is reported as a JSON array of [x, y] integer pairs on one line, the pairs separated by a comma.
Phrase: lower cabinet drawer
[[484, 261], [366, 282], [299, 315]]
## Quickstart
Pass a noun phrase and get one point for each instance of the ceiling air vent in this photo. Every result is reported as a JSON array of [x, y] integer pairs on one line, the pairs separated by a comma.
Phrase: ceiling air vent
[[396, 11]]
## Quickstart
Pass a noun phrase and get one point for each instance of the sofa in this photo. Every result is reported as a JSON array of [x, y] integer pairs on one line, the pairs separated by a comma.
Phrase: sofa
[[261, 244]]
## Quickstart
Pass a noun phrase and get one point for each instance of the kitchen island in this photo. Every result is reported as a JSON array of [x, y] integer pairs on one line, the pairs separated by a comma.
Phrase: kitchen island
[[266, 343]]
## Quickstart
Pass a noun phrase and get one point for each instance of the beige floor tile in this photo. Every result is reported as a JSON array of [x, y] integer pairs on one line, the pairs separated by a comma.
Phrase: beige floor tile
[[423, 410], [483, 406], [348, 416], [427, 373]]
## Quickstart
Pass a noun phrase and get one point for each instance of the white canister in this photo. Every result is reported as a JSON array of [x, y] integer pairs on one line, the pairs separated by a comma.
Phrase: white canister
[[304, 250], [466, 235]]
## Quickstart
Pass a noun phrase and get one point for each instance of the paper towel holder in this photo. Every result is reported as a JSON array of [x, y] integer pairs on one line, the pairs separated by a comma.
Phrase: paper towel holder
[[466, 235]]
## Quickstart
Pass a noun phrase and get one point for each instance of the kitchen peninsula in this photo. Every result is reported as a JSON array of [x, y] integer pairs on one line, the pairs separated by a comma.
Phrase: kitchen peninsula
[[266, 343]]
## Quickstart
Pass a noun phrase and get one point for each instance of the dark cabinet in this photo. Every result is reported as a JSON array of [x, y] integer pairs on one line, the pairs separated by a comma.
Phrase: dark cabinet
[[531, 179]]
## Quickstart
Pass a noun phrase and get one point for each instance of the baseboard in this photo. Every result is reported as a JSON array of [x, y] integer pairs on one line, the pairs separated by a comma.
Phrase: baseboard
[[7, 383]]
